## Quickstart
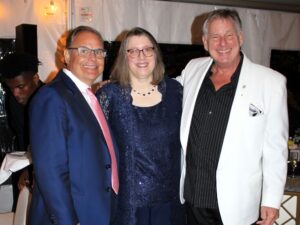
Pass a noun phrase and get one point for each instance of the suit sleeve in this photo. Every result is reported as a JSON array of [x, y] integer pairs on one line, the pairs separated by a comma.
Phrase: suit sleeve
[[48, 129], [275, 145]]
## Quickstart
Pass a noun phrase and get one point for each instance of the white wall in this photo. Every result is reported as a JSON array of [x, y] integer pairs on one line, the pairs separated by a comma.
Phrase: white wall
[[50, 28], [169, 22]]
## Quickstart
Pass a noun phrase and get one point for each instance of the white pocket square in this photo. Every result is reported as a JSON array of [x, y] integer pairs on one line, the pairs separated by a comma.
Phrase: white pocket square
[[254, 110]]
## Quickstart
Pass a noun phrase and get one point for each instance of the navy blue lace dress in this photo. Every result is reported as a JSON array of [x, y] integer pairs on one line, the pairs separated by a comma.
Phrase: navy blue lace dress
[[149, 150]]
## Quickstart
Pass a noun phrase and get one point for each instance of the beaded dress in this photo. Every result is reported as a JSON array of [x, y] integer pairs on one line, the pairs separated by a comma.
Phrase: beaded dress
[[149, 149]]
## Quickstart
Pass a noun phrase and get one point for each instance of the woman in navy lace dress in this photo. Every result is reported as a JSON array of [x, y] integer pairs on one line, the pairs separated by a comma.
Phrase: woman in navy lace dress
[[143, 109]]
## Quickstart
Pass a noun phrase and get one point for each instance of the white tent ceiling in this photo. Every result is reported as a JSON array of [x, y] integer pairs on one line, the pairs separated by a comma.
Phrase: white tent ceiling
[[281, 5]]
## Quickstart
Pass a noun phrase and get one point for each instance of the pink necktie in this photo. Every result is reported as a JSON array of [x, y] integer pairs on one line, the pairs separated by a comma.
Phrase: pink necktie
[[103, 124]]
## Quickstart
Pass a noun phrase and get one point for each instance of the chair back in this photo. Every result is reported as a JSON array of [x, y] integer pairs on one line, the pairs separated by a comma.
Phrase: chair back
[[20, 217], [6, 218]]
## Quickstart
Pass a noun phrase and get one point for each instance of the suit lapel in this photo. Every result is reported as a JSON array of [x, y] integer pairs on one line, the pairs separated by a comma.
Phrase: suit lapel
[[78, 99], [191, 85], [239, 113]]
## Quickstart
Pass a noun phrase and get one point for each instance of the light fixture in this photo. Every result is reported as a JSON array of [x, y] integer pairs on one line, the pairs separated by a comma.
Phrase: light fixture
[[52, 6], [50, 10]]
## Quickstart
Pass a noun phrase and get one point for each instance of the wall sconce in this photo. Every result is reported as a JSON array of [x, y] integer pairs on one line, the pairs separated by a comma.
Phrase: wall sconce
[[50, 10]]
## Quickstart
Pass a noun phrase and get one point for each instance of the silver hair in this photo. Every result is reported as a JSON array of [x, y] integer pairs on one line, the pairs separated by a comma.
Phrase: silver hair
[[223, 14]]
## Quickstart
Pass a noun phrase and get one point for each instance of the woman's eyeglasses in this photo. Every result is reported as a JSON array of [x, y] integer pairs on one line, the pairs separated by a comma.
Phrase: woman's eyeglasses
[[147, 52]]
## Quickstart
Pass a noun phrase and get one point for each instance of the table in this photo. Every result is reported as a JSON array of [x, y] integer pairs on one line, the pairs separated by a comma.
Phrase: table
[[12, 162]]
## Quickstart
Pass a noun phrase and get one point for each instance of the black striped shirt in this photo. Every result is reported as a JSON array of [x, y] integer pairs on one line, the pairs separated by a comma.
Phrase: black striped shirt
[[207, 131]]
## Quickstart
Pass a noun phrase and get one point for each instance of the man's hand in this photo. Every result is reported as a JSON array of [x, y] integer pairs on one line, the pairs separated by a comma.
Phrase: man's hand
[[268, 215], [99, 85]]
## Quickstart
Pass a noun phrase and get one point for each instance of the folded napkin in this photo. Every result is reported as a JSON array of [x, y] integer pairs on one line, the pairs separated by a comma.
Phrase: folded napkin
[[13, 162]]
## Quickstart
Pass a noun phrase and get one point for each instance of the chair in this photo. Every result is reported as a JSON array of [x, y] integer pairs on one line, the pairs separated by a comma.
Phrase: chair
[[20, 216]]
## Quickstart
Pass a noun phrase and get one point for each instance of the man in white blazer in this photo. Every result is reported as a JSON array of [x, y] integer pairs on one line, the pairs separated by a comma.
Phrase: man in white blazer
[[234, 132]]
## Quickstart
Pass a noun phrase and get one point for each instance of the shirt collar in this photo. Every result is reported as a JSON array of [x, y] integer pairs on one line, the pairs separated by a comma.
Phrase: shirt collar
[[79, 84], [236, 73]]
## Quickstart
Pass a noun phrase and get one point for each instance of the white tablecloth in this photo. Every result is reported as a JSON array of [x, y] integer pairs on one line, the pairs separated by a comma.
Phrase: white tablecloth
[[6, 198], [13, 162]]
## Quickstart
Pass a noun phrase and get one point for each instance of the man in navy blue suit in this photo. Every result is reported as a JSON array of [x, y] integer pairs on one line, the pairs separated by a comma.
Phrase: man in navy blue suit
[[70, 155]]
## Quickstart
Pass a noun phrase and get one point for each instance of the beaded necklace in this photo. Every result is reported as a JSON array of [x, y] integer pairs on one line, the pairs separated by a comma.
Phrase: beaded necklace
[[145, 93]]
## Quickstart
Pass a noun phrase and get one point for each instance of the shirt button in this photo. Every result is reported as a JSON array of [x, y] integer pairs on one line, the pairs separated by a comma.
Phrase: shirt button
[[107, 166], [108, 189]]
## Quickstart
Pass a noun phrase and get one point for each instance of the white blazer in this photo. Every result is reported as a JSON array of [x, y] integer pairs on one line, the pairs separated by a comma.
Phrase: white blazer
[[253, 162]]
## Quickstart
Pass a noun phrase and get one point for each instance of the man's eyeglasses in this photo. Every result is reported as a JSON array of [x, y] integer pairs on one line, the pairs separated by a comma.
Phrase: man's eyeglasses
[[147, 52], [86, 52]]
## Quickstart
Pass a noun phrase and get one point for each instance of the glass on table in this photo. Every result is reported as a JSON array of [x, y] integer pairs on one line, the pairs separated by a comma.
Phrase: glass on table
[[293, 161]]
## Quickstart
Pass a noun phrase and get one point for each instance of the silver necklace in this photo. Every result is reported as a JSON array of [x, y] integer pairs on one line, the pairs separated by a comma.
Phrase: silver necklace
[[145, 93]]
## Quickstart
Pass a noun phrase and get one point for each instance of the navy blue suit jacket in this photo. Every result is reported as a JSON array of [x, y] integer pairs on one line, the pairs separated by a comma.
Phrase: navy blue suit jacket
[[70, 158]]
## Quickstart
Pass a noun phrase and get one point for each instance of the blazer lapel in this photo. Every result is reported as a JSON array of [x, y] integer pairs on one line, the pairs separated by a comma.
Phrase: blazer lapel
[[78, 98], [239, 113], [192, 82]]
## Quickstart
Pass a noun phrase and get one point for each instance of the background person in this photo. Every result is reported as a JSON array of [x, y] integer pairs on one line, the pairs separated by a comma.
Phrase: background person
[[144, 108], [20, 73], [73, 166], [234, 131]]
